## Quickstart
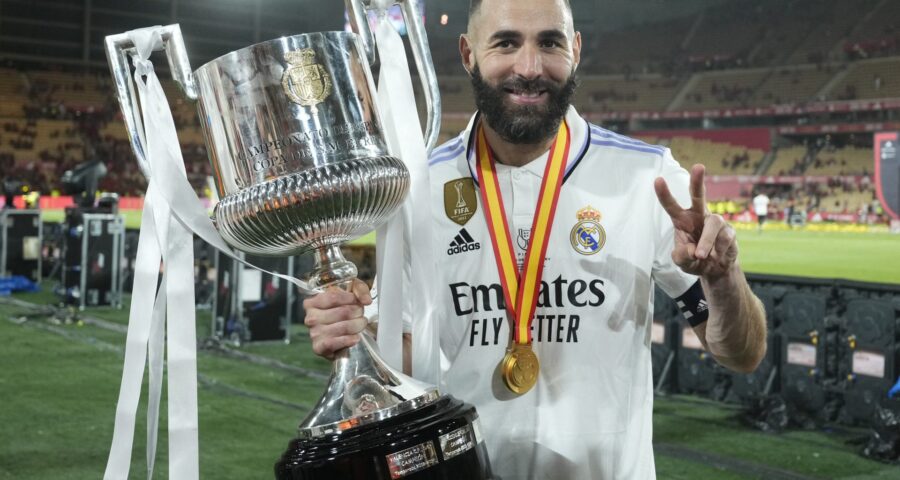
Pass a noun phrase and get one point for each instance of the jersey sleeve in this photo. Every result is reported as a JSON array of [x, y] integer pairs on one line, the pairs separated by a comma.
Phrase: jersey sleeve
[[674, 281]]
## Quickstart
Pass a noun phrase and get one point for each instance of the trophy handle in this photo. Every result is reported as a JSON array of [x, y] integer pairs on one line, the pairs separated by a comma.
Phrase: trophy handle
[[359, 22], [425, 66], [118, 48], [421, 53]]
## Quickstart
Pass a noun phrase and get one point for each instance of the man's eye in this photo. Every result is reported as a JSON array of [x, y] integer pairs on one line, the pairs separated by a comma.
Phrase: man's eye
[[504, 44], [549, 44]]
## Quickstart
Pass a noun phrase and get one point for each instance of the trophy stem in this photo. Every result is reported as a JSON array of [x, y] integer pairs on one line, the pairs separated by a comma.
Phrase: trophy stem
[[332, 269]]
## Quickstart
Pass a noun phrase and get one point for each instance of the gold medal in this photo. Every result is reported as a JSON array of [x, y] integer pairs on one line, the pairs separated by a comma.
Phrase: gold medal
[[520, 368]]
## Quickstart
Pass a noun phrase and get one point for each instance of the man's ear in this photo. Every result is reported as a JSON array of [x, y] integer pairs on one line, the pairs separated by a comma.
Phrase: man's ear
[[466, 54], [576, 49]]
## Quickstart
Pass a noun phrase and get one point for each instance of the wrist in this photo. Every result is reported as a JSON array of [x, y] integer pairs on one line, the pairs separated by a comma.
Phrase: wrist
[[725, 281]]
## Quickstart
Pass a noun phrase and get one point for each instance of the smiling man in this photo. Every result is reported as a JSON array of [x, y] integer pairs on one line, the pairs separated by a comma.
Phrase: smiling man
[[553, 233]]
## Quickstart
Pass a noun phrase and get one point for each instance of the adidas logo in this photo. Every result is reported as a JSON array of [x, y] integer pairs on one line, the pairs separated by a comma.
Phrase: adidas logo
[[463, 242], [702, 306]]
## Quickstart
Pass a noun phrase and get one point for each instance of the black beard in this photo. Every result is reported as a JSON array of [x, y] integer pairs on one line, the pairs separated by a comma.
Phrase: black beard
[[523, 124]]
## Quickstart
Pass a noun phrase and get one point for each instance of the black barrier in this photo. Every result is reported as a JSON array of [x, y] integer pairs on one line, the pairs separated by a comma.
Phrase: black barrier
[[665, 334], [833, 351], [856, 347], [804, 336], [869, 349]]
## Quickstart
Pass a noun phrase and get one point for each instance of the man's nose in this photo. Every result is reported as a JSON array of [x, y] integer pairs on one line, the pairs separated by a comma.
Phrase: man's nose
[[528, 62]]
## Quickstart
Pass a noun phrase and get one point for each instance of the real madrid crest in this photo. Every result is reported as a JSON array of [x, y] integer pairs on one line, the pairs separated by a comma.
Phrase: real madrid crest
[[460, 200], [588, 236], [305, 82]]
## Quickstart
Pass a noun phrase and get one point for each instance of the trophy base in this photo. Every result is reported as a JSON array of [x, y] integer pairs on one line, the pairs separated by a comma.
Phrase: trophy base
[[440, 441]]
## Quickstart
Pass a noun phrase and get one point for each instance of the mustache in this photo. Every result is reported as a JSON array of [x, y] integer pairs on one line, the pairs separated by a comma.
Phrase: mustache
[[532, 85]]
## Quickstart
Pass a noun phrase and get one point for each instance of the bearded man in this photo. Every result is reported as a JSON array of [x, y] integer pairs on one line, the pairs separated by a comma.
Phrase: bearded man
[[553, 233]]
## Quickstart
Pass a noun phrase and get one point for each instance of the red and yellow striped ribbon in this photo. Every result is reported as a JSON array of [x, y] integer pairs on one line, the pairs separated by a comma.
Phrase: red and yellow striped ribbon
[[520, 291]]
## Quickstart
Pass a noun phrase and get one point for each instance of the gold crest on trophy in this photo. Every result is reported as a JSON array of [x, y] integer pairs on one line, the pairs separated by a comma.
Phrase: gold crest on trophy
[[305, 82]]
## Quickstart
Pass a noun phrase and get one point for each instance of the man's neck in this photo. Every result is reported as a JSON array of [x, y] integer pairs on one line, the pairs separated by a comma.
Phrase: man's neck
[[514, 154]]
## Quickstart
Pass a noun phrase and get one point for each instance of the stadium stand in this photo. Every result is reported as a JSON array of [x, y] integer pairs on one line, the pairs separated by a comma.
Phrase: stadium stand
[[828, 24], [850, 160], [875, 78], [638, 49], [70, 90], [12, 91], [651, 92], [788, 161], [720, 158], [845, 200], [791, 84], [730, 30], [877, 34], [721, 89]]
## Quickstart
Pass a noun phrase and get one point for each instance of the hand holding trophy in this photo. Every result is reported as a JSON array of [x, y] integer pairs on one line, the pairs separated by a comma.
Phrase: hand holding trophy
[[300, 162]]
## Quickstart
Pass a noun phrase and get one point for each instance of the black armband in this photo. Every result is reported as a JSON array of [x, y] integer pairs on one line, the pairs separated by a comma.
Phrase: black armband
[[693, 305]]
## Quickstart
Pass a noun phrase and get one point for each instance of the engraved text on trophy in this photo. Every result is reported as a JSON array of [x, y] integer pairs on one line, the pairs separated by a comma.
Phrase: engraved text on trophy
[[280, 154], [305, 82]]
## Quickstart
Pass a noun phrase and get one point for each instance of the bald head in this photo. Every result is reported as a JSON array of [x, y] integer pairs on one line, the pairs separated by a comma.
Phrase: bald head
[[475, 9]]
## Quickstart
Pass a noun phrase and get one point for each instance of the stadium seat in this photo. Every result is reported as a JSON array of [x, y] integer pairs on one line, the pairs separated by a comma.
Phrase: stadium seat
[[688, 151], [791, 85]]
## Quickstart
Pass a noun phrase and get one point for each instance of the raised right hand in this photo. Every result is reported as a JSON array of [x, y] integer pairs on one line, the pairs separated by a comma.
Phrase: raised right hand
[[335, 318]]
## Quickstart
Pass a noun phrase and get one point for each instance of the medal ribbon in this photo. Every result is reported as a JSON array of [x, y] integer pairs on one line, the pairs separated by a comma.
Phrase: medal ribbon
[[522, 287]]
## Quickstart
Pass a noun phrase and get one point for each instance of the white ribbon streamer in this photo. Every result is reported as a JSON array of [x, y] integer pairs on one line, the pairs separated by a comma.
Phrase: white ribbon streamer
[[171, 213], [396, 244], [139, 326], [156, 356]]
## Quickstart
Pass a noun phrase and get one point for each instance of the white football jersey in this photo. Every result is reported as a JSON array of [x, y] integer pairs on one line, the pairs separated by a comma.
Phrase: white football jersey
[[590, 414], [761, 204]]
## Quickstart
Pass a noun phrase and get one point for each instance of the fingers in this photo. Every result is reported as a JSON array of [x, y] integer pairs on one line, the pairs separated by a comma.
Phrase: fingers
[[333, 297], [726, 245], [713, 225], [666, 199], [713, 254], [683, 256], [335, 318], [683, 253], [361, 290], [329, 338], [698, 188]]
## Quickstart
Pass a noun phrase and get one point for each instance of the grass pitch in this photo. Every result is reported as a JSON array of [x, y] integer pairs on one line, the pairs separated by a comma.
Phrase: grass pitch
[[871, 257], [59, 385]]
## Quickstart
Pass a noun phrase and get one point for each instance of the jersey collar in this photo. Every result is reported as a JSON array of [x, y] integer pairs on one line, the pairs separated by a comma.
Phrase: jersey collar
[[579, 129]]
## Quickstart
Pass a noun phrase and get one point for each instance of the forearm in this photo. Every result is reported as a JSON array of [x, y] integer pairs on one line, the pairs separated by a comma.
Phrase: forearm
[[735, 333]]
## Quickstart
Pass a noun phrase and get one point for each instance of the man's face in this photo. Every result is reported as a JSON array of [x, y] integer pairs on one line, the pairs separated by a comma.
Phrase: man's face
[[522, 56]]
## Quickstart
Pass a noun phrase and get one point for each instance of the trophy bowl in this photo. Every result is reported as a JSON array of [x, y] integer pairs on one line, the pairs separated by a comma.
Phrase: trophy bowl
[[299, 155], [300, 163]]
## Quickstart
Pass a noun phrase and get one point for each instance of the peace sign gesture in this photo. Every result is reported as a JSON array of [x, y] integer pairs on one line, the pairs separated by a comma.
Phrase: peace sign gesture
[[705, 244]]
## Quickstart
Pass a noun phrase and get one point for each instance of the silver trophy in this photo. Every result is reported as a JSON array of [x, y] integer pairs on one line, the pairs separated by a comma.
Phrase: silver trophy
[[301, 163]]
